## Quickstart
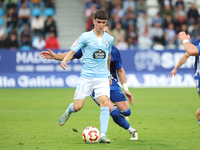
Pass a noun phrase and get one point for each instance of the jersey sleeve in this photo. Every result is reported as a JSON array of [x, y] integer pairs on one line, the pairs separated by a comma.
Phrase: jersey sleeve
[[78, 44], [78, 54]]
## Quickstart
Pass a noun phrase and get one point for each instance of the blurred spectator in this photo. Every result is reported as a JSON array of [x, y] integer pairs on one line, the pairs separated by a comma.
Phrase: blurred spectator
[[24, 14], [193, 13], [12, 31], [168, 10], [180, 17], [104, 4], [141, 6], [118, 12], [50, 4], [11, 3], [89, 24], [142, 21], [25, 40], [25, 35], [20, 2], [89, 16], [179, 2], [144, 40], [167, 20], [118, 33], [36, 4], [2, 5], [11, 17], [128, 3], [37, 26], [170, 35], [158, 19], [129, 19], [157, 33], [39, 43], [130, 43], [131, 33], [52, 41], [195, 34], [89, 11], [122, 45], [50, 26], [12, 42]]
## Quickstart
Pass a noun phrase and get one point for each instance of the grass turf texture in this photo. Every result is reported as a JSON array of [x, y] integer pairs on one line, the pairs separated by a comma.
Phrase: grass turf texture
[[164, 118]]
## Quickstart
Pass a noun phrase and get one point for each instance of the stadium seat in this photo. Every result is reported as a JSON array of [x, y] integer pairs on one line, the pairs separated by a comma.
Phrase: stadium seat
[[49, 12], [152, 11], [25, 48], [152, 3], [2, 22], [36, 12], [2, 12]]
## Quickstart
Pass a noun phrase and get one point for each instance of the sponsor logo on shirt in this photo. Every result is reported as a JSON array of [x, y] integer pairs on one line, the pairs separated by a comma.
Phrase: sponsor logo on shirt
[[99, 54]]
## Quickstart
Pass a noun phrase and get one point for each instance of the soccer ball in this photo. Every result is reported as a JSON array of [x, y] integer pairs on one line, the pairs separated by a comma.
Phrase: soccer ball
[[90, 135]]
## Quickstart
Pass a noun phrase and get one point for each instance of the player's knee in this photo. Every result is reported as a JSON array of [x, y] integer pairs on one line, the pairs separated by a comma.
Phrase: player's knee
[[126, 112], [77, 107], [198, 112]]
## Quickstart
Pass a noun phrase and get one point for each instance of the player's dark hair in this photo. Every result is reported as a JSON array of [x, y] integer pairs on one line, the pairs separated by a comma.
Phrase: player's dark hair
[[100, 14]]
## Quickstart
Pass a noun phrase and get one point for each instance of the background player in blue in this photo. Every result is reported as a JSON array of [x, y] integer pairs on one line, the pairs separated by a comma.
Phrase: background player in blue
[[96, 47], [191, 50], [116, 94]]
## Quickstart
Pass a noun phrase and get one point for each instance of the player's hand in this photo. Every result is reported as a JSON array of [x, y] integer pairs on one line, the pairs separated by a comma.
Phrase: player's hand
[[183, 36], [174, 71], [63, 65], [130, 97], [110, 81], [47, 54]]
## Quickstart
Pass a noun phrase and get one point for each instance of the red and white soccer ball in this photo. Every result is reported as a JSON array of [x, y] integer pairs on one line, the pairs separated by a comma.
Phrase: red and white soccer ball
[[90, 135]]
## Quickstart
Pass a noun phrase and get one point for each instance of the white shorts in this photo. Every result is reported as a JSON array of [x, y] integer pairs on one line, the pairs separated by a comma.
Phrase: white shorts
[[85, 87]]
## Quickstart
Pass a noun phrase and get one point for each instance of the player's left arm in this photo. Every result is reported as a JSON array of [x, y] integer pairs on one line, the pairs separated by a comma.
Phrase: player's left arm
[[122, 77]]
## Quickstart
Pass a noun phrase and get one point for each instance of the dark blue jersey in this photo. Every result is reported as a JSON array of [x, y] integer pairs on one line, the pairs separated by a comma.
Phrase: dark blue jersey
[[115, 64], [197, 60]]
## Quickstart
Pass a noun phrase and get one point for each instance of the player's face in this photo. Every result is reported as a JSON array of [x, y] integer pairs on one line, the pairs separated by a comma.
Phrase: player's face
[[106, 29], [99, 24]]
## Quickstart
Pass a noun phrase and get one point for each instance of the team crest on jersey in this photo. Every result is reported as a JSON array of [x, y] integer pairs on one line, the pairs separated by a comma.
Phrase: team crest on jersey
[[99, 54], [75, 43], [106, 43]]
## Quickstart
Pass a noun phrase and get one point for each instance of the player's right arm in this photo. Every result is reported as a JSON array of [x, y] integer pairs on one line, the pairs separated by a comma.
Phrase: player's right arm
[[67, 58], [51, 55], [180, 63]]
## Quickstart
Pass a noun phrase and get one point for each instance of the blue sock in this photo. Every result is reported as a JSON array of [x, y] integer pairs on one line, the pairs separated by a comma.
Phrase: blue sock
[[104, 119], [70, 108], [199, 121], [118, 119]]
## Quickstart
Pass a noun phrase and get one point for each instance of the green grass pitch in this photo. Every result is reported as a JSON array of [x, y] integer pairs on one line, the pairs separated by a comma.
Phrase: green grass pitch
[[164, 118]]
